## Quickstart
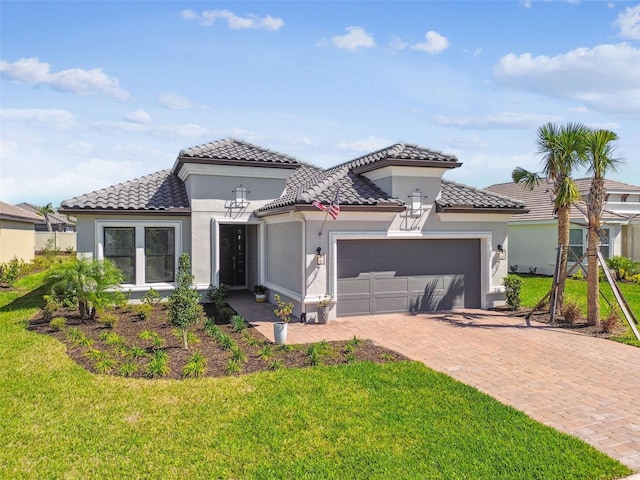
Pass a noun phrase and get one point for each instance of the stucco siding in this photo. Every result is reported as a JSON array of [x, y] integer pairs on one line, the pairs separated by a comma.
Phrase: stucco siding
[[17, 240], [284, 251], [533, 246]]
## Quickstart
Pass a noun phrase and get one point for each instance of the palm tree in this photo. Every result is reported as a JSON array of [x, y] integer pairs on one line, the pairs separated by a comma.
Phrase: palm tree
[[599, 152], [45, 212], [562, 151]]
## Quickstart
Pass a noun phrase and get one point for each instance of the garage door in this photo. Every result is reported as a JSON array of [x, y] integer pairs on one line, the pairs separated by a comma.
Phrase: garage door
[[378, 276]]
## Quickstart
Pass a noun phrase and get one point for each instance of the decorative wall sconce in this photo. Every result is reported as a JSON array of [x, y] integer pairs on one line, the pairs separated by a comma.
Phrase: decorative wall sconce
[[416, 203], [320, 256], [502, 252], [241, 196]]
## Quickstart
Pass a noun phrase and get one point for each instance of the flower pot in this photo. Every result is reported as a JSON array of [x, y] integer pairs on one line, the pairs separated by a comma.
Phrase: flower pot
[[280, 333], [323, 314], [261, 297]]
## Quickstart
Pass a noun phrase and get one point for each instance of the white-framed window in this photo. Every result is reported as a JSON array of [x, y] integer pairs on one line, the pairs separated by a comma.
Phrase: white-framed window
[[145, 251], [578, 243]]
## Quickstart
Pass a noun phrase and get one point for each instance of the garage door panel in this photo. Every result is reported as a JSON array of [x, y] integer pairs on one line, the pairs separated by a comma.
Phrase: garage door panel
[[414, 275]]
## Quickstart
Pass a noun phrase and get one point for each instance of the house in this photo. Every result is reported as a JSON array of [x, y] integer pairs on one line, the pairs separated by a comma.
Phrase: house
[[59, 223], [533, 237], [17, 234], [405, 239]]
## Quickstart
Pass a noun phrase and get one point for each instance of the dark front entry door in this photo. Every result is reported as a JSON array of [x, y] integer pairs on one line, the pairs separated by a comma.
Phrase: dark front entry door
[[233, 255]]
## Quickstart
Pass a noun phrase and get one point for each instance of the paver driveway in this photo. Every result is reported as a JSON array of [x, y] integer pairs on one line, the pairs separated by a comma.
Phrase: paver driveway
[[584, 386]]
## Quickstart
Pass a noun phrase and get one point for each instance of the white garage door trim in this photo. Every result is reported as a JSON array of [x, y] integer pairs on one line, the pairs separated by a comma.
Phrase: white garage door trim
[[485, 238]]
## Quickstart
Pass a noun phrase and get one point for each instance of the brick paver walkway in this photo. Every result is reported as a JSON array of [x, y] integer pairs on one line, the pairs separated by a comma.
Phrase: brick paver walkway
[[584, 386]]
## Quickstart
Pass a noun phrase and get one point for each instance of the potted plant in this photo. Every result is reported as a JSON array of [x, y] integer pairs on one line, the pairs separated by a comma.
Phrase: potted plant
[[283, 311], [261, 293], [323, 308]]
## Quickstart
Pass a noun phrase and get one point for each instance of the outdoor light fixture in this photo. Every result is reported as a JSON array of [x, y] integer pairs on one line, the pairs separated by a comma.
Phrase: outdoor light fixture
[[416, 203], [502, 253], [241, 196], [320, 256]]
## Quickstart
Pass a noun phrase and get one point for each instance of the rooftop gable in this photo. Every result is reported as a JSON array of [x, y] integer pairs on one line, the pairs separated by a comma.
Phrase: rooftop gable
[[11, 212]]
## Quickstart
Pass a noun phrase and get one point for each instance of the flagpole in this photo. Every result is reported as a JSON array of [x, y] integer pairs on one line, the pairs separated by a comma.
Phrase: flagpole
[[326, 214]]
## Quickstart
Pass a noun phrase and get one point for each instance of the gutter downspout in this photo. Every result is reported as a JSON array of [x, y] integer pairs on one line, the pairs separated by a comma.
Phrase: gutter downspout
[[303, 286]]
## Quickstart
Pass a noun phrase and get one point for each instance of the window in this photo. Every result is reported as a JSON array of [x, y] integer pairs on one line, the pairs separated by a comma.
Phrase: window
[[576, 244], [146, 251], [159, 254], [120, 248]]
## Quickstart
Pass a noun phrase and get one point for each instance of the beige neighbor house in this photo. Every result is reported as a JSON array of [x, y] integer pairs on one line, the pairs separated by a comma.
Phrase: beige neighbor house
[[404, 239], [63, 230], [17, 233], [533, 237]]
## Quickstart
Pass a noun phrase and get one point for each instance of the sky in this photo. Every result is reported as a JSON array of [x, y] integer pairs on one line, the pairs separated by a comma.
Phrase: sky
[[97, 93]]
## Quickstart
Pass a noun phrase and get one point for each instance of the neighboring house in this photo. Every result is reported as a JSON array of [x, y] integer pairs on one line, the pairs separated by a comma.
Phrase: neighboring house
[[404, 239], [59, 223], [17, 235], [533, 237]]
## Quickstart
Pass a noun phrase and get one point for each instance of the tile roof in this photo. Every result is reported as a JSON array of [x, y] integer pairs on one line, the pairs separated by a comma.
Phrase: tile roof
[[457, 195], [232, 151], [164, 191], [160, 192], [54, 218], [11, 212], [539, 201], [405, 153]]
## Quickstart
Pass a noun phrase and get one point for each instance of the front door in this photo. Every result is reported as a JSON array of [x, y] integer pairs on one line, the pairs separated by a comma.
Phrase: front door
[[233, 255]]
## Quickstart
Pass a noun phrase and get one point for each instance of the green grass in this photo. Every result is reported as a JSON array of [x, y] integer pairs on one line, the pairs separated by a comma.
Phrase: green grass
[[398, 420], [535, 287]]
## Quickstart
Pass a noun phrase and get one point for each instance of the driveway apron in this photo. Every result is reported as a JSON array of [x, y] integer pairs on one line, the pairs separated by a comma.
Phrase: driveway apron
[[584, 386]]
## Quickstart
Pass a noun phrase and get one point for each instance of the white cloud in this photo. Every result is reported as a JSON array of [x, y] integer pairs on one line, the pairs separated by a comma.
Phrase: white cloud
[[173, 101], [368, 144], [52, 118], [605, 78], [434, 43], [33, 72], [629, 23], [234, 22], [356, 37], [163, 131], [499, 120], [138, 116], [466, 142], [397, 43]]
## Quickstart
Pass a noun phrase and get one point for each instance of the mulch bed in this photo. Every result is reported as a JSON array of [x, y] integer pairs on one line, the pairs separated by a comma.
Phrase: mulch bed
[[544, 316], [129, 326]]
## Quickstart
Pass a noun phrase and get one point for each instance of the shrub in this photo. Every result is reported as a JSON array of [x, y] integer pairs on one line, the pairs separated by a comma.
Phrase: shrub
[[233, 366], [513, 285], [513, 268], [112, 339], [158, 366], [153, 338], [90, 283], [579, 275], [135, 352], [283, 310], [276, 364], [192, 338], [51, 306], [105, 365], [184, 304], [571, 312], [610, 323], [58, 323], [237, 323], [10, 272], [238, 354], [266, 352], [623, 266], [128, 369], [143, 310], [195, 367], [109, 320], [217, 294], [69, 249], [152, 297], [533, 270]]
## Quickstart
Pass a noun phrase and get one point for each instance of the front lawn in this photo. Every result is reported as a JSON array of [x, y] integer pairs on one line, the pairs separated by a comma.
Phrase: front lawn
[[535, 287], [363, 420]]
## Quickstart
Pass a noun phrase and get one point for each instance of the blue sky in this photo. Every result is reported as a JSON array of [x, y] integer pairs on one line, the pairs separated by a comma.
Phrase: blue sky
[[97, 93]]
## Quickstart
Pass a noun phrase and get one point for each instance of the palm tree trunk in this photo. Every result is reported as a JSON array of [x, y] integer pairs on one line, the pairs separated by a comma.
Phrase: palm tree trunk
[[596, 202], [564, 225]]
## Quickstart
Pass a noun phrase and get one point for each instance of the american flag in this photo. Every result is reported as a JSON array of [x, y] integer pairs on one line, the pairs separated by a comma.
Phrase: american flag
[[333, 209]]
